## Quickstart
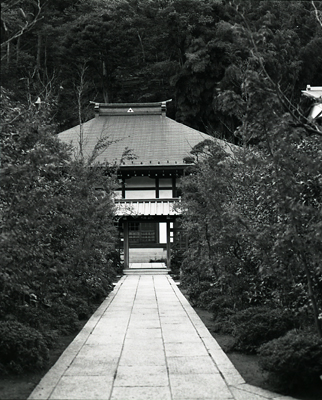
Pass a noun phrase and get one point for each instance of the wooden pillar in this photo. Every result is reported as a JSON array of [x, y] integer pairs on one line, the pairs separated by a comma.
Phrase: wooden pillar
[[174, 187], [168, 246], [123, 188], [157, 187], [126, 244]]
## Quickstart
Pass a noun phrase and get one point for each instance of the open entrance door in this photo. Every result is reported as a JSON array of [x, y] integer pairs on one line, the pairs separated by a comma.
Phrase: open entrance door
[[146, 245], [147, 242]]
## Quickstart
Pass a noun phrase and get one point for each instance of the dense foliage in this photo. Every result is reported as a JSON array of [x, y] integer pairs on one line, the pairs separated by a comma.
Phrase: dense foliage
[[22, 348], [253, 214], [293, 360], [57, 230], [253, 220], [254, 224], [197, 52]]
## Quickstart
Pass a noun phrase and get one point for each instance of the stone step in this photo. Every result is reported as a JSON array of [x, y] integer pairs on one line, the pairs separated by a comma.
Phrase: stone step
[[146, 271]]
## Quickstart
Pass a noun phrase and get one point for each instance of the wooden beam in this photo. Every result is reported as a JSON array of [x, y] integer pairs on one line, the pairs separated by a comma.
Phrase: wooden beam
[[174, 187], [123, 188], [157, 187]]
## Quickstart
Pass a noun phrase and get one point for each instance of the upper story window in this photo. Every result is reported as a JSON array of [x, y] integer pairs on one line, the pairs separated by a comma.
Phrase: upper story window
[[145, 187], [139, 182], [165, 188], [140, 187]]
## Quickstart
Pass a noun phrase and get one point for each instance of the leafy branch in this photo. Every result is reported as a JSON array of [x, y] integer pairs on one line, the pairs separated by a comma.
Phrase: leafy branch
[[296, 114], [318, 13], [27, 24]]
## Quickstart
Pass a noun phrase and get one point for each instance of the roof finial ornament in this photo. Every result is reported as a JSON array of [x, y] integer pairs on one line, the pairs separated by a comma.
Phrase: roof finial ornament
[[163, 109], [38, 102], [96, 108]]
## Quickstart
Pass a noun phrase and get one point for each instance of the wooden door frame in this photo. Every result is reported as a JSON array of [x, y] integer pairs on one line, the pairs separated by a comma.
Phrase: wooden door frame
[[127, 243]]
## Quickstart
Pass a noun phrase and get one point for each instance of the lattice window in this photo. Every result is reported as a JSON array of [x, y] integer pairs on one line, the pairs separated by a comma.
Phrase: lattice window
[[142, 232]]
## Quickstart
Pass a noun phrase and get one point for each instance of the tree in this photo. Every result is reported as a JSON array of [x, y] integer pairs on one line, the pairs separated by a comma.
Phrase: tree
[[277, 227], [57, 229], [16, 21], [254, 221]]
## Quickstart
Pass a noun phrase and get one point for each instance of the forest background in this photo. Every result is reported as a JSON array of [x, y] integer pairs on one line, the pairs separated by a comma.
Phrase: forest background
[[235, 70]]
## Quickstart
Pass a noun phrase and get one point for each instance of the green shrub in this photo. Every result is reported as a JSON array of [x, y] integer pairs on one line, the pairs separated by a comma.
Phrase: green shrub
[[36, 317], [195, 290], [176, 259], [294, 360], [220, 304], [22, 348], [93, 286], [207, 297], [227, 319], [50, 338], [58, 317], [61, 317], [258, 325], [39, 319], [81, 307], [223, 307], [65, 319], [223, 323]]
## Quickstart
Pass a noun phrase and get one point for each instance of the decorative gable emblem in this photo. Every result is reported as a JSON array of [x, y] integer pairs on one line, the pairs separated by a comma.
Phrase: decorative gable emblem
[[130, 110]]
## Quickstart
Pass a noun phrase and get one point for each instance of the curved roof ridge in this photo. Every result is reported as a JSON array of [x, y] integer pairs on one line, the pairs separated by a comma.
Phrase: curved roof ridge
[[147, 104]]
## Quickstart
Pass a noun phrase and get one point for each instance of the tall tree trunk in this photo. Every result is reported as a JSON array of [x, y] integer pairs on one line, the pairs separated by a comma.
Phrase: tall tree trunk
[[39, 45], [105, 94], [18, 50], [142, 47], [105, 90], [80, 91], [81, 129], [8, 53]]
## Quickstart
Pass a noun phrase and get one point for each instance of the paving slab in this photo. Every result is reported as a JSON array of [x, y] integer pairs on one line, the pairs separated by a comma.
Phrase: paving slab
[[206, 386], [188, 365], [76, 387], [127, 375], [145, 342], [141, 393]]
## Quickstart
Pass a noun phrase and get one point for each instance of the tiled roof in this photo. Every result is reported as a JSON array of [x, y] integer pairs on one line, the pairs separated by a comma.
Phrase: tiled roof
[[146, 207], [153, 138]]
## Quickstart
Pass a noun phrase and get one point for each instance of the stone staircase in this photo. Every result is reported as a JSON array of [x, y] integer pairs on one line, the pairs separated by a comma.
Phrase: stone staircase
[[146, 269]]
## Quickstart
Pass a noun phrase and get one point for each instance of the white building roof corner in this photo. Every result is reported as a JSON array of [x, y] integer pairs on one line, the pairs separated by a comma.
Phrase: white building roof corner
[[315, 92], [315, 114]]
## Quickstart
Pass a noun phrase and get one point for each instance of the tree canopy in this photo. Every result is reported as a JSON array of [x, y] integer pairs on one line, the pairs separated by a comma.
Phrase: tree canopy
[[198, 52]]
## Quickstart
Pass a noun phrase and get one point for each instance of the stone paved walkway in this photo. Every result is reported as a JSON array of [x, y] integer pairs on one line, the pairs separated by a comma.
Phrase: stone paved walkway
[[145, 342]]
